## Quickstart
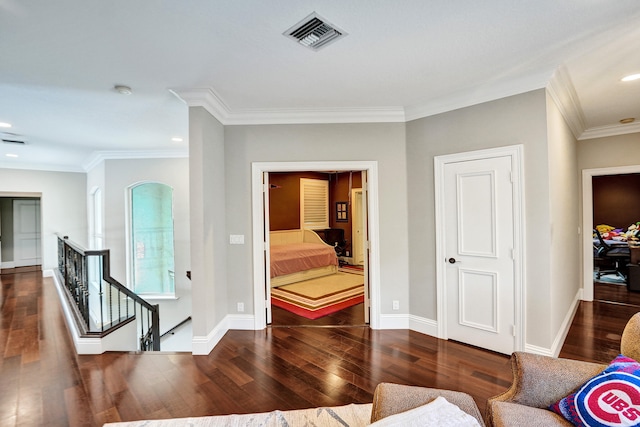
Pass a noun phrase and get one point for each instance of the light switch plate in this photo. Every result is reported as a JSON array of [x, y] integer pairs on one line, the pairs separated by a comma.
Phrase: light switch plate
[[236, 239]]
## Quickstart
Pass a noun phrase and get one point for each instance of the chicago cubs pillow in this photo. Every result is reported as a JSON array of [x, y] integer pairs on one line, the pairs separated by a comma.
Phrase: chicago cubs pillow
[[611, 398]]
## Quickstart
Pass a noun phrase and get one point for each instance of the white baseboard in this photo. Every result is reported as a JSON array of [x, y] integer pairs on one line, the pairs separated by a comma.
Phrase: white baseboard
[[394, 321], [47, 273], [530, 348], [423, 325], [566, 324], [242, 322], [8, 264], [202, 345]]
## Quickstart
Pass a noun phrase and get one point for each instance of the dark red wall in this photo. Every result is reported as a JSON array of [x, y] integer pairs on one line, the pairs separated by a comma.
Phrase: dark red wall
[[616, 200], [284, 199]]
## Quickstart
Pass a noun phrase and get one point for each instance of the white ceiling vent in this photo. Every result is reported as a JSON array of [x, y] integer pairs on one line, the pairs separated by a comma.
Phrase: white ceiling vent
[[314, 32]]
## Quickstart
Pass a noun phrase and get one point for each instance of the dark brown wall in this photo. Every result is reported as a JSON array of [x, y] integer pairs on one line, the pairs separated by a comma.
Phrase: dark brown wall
[[339, 192], [616, 200], [284, 200]]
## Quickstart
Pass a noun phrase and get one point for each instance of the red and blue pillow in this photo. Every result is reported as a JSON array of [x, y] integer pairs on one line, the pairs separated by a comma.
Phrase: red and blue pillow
[[611, 398]]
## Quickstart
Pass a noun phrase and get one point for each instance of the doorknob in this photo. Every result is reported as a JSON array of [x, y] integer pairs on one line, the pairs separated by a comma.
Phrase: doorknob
[[452, 260]]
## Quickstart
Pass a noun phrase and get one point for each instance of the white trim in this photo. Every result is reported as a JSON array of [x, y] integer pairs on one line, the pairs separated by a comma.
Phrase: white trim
[[97, 157], [564, 94], [394, 321], [587, 221], [566, 324], [211, 101], [611, 130], [517, 161], [423, 325], [538, 350], [8, 264], [241, 322], [202, 345], [257, 170]]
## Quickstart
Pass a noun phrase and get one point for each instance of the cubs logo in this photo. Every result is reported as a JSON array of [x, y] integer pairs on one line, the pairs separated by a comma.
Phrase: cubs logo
[[612, 400]]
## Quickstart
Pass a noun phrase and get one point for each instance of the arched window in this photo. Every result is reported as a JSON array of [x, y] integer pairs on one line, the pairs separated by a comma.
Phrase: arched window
[[151, 237]]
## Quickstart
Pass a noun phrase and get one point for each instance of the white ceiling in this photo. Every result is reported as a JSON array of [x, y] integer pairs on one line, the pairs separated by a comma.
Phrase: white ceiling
[[401, 60]]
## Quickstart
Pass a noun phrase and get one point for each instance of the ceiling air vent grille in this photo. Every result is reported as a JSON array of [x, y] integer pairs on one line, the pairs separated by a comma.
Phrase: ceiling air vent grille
[[314, 32], [12, 138]]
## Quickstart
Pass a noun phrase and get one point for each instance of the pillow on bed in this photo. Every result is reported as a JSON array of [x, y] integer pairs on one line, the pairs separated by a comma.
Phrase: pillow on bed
[[611, 398]]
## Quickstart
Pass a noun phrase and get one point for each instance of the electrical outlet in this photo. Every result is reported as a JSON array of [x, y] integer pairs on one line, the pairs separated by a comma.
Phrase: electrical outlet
[[396, 305], [240, 307]]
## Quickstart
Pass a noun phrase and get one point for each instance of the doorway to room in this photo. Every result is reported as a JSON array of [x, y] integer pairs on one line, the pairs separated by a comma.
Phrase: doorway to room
[[20, 232], [317, 277], [339, 206], [616, 242]]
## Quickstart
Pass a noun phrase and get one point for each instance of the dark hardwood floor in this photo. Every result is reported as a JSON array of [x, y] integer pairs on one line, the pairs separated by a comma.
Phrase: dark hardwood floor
[[350, 316], [615, 293], [43, 381]]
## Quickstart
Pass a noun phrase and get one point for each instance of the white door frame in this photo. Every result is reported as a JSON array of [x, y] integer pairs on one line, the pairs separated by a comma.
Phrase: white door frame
[[516, 154], [257, 209], [587, 221]]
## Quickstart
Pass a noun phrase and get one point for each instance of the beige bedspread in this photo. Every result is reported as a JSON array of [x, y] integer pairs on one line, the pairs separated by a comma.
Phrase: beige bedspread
[[294, 257]]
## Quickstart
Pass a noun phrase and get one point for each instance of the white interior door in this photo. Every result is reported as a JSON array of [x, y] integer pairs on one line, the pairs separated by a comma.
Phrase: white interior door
[[26, 232], [479, 244]]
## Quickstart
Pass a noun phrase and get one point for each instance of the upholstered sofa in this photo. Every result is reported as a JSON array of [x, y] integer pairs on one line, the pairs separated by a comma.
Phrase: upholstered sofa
[[539, 381], [388, 400]]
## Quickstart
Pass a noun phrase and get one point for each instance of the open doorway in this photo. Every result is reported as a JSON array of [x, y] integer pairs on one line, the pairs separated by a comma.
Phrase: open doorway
[[317, 277], [262, 234], [616, 222], [590, 252], [20, 233]]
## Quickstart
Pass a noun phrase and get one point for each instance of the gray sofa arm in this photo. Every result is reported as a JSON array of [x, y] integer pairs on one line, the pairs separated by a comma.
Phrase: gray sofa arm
[[539, 381]]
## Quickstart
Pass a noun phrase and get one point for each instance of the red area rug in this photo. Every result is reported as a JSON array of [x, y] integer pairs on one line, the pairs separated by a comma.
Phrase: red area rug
[[316, 298]]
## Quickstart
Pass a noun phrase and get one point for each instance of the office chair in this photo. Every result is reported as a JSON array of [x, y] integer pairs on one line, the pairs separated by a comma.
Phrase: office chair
[[335, 238], [617, 254]]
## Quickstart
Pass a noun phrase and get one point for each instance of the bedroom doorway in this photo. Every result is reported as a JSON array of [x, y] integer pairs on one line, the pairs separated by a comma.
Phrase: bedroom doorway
[[339, 209], [315, 277]]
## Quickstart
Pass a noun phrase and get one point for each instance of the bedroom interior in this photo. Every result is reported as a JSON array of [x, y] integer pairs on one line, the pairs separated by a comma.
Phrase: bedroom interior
[[616, 212], [315, 276]]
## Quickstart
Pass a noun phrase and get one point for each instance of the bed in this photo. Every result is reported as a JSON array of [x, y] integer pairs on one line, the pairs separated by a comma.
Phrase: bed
[[298, 255]]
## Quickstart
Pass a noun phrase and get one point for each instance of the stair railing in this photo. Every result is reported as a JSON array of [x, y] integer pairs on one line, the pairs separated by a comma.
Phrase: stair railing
[[100, 303]]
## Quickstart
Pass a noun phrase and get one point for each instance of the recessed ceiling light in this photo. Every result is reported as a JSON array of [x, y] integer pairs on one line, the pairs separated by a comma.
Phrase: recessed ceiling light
[[124, 90], [11, 155], [628, 120], [177, 139], [631, 77], [5, 125]]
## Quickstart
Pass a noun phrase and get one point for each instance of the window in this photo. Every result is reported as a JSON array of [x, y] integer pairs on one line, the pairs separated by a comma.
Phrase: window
[[314, 203], [152, 253]]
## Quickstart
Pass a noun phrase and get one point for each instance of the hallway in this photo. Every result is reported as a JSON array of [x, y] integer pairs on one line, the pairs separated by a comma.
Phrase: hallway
[[45, 383]]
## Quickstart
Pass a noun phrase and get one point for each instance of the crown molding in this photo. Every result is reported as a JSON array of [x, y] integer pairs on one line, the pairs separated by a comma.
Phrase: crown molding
[[613, 130], [563, 92], [211, 102], [492, 91], [99, 156]]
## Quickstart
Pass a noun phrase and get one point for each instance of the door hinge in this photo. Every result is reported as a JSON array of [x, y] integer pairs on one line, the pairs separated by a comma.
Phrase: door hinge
[[513, 330]]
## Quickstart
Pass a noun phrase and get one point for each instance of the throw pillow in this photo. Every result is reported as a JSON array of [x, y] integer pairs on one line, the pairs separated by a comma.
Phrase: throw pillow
[[438, 412], [611, 398]]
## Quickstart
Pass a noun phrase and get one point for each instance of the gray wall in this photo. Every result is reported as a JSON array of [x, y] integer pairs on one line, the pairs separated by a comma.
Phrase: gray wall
[[63, 205], [565, 250], [519, 119], [384, 143], [6, 228], [118, 176], [612, 151], [209, 240]]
